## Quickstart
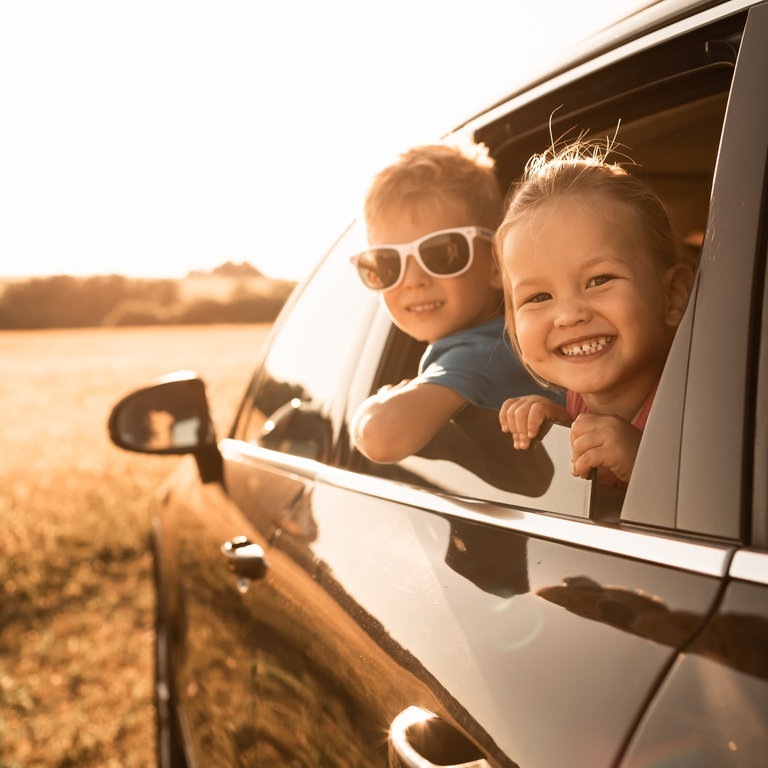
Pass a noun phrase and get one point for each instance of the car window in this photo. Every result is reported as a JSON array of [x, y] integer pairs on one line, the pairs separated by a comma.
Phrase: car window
[[665, 107], [293, 404]]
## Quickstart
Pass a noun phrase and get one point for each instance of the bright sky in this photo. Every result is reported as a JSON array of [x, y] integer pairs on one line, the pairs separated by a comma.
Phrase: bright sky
[[153, 137]]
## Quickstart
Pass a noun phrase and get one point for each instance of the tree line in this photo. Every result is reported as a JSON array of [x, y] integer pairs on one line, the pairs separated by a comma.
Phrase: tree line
[[64, 301]]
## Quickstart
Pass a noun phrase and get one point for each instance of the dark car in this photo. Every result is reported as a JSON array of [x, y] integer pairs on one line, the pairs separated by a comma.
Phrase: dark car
[[472, 605]]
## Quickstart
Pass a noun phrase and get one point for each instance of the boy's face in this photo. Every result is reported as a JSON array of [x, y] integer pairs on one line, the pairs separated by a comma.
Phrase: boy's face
[[589, 302], [426, 307]]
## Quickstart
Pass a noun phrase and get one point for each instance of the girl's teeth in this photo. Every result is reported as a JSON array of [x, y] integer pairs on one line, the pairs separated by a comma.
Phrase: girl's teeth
[[586, 347]]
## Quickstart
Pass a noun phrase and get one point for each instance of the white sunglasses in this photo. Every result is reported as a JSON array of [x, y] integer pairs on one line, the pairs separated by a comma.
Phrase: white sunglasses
[[445, 253]]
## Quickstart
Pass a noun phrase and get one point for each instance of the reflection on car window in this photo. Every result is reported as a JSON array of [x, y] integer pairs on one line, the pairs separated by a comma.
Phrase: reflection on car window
[[472, 458], [290, 407]]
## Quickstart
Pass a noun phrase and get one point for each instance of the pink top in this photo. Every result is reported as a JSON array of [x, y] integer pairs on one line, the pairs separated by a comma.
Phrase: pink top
[[575, 405]]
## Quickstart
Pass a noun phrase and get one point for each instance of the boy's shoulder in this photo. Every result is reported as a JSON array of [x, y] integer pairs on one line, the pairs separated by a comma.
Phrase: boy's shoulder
[[489, 331], [483, 351]]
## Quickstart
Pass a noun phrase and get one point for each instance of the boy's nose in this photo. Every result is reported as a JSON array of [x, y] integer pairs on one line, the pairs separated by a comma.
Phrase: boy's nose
[[414, 274]]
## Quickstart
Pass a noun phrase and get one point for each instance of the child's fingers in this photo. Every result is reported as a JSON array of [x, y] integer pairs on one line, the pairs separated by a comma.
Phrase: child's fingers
[[536, 417], [513, 418], [603, 441], [506, 407]]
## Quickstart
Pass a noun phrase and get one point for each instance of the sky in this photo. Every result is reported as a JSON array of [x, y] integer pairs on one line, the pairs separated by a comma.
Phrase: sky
[[154, 137]]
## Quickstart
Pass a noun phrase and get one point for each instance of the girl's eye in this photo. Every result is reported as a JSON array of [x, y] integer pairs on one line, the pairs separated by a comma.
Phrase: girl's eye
[[537, 298], [599, 280]]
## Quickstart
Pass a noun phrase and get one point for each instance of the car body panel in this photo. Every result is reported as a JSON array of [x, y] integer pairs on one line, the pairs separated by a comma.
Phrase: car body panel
[[711, 709]]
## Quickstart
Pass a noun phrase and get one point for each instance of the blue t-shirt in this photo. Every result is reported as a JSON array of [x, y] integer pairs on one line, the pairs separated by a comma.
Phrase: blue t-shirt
[[480, 365]]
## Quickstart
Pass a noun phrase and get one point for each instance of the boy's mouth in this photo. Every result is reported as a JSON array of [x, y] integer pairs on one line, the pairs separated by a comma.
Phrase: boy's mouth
[[427, 307], [588, 347]]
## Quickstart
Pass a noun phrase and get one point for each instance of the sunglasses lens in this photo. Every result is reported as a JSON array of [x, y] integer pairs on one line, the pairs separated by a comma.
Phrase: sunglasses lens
[[379, 268], [445, 254]]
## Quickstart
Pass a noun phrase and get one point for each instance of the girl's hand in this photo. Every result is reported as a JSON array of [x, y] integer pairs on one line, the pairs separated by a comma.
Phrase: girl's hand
[[523, 416], [604, 441]]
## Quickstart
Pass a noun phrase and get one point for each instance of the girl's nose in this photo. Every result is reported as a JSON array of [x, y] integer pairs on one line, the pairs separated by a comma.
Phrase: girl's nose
[[414, 274], [571, 311]]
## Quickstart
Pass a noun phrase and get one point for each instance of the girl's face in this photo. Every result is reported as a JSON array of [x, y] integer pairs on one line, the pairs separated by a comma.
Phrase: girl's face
[[590, 305]]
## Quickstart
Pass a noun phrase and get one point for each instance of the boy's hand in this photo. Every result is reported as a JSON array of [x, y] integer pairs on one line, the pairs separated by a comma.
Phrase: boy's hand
[[523, 416], [604, 441]]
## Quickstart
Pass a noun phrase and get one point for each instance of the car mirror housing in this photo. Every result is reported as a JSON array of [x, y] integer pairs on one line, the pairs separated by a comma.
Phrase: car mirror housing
[[170, 416]]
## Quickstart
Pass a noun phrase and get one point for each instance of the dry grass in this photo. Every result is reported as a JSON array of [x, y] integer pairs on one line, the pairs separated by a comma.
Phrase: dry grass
[[76, 601]]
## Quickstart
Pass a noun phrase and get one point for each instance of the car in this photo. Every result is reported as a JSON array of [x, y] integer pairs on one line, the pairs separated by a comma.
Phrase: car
[[471, 605]]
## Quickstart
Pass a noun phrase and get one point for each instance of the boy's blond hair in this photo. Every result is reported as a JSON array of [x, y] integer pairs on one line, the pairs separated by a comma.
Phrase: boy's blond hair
[[438, 174]]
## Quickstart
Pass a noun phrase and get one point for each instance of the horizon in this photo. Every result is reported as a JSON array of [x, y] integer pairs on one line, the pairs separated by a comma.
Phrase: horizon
[[155, 139]]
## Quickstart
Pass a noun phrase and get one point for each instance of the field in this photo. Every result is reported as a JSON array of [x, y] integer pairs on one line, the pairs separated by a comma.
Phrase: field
[[76, 601]]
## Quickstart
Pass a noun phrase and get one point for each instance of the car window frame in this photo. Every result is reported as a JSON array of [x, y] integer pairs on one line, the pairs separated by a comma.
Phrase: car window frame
[[724, 407], [652, 495], [362, 380]]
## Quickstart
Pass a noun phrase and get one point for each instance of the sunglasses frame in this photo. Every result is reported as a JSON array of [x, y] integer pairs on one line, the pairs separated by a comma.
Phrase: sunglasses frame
[[404, 250]]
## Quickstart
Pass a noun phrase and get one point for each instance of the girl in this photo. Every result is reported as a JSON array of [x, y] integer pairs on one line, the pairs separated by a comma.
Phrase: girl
[[595, 283]]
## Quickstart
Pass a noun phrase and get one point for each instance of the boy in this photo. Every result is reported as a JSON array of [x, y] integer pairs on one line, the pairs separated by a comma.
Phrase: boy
[[430, 218]]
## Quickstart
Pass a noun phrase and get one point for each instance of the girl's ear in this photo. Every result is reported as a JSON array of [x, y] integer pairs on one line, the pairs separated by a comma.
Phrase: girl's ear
[[496, 280], [678, 282]]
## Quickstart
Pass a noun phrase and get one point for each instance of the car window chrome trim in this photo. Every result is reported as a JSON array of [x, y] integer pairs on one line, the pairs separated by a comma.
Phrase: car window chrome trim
[[649, 546], [707, 559], [750, 565], [239, 451]]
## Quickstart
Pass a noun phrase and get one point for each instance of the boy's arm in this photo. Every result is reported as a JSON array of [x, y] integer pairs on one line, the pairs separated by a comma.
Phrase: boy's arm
[[400, 420]]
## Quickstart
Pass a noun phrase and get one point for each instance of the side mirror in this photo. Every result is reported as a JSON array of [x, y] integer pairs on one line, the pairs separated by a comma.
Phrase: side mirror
[[168, 417]]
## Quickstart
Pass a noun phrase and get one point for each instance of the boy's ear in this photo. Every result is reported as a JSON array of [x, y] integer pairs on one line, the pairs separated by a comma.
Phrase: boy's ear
[[677, 284]]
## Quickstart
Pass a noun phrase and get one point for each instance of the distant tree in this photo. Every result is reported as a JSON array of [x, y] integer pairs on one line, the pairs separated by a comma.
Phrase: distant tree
[[230, 269], [63, 301]]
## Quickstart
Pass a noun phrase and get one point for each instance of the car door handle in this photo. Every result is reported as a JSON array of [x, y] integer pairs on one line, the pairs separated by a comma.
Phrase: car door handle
[[420, 739], [244, 558]]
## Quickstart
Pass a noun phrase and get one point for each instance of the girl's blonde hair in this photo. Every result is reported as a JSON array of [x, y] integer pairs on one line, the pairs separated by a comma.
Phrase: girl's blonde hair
[[580, 170], [459, 172]]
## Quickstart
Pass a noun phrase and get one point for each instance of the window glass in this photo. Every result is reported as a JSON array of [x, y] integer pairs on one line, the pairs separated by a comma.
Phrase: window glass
[[293, 402], [470, 457]]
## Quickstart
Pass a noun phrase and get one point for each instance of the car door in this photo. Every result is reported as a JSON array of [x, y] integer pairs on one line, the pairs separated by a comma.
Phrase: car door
[[538, 631], [711, 708]]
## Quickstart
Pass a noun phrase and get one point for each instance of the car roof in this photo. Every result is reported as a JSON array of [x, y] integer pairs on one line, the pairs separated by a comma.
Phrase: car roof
[[644, 18]]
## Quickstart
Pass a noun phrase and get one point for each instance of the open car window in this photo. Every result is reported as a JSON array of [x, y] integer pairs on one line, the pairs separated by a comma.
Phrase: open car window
[[662, 109]]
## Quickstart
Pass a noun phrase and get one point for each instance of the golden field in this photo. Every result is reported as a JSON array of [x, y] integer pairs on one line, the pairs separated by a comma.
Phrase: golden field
[[76, 599]]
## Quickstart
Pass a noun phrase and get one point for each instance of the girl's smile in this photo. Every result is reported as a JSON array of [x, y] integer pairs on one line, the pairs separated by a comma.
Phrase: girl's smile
[[589, 304], [587, 347]]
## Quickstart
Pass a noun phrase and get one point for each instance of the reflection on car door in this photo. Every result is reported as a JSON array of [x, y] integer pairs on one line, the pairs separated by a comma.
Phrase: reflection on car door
[[499, 619]]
